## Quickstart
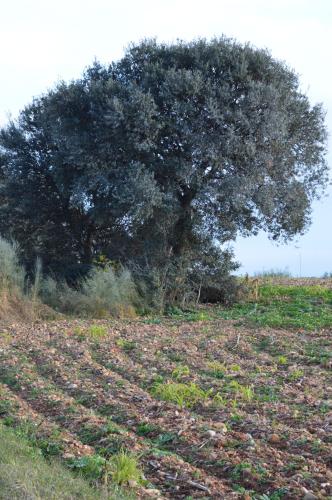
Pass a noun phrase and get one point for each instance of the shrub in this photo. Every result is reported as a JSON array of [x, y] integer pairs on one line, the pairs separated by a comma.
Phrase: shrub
[[212, 278], [109, 292], [104, 292], [152, 286], [189, 280]]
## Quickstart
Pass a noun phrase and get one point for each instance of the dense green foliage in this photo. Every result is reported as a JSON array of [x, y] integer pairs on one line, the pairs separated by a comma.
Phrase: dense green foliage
[[158, 159]]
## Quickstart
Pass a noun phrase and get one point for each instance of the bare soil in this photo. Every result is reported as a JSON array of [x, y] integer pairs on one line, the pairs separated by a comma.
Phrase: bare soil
[[268, 432]]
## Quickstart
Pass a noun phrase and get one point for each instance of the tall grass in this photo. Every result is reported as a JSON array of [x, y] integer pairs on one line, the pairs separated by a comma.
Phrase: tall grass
[[12, 273], [19, 296], [36, 285], [104, 292], [13, 303]]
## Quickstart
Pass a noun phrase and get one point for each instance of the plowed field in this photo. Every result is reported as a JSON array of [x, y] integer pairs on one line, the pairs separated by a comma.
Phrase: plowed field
[[212, 409]]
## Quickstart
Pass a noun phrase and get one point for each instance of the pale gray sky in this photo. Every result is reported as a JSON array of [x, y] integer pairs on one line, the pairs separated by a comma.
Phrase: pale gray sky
[[43, 41]]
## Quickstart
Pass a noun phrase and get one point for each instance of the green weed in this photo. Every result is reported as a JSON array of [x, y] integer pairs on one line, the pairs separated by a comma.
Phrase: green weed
[[238, 469], [165, 439], [216, 369], [307, 307], [183, 395], [97, 331], [180, 372], [317, 354], [146, 429], [6, 406], [296, 375], [126, 345], [193, 315], [124, 468], [94, 332], [92, 467], [282, 360], [5, 337], [267, 393], [247, 392], [175, 356], [218, 400], [240, 391]]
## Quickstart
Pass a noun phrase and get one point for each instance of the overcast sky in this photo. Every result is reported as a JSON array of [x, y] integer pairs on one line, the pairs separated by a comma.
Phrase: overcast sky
[[43, 41]]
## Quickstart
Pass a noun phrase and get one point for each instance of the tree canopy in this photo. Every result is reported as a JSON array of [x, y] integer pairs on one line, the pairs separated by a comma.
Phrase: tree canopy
[[163, 156]]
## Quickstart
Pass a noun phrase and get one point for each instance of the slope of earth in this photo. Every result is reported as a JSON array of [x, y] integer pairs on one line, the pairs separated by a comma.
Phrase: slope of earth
[[211, 409], [24, 473]]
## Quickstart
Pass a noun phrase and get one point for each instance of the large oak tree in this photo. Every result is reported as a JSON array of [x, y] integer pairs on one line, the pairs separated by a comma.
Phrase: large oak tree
[[163, 156]]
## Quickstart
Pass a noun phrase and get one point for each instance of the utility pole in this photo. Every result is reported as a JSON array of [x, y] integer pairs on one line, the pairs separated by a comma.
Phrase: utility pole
[[300, 260]]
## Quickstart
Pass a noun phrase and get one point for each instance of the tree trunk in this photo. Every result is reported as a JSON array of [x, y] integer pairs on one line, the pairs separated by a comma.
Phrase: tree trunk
[[182, 235], [87, 246]]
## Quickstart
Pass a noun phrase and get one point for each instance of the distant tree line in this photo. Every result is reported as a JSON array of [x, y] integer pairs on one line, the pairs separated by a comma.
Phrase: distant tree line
[[160, 159]]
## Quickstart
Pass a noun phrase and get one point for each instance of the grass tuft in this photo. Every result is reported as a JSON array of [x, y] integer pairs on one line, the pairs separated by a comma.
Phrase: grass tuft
[[183, 395], [124, 469]]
